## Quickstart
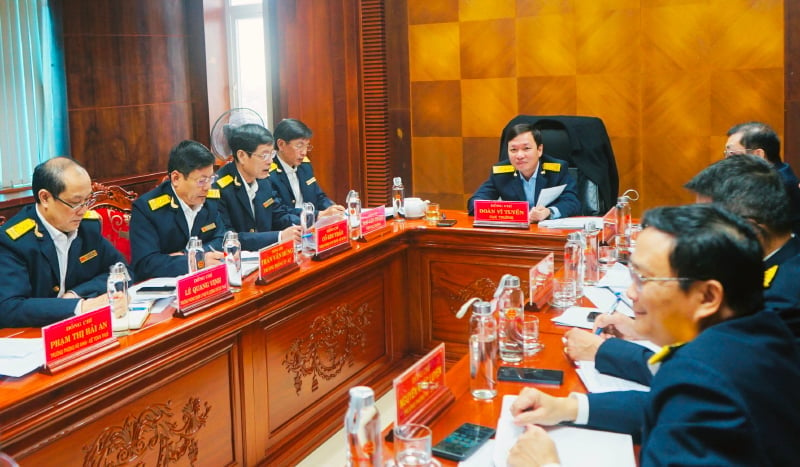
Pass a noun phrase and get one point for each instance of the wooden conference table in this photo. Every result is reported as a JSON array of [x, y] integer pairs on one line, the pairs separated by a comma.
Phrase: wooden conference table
[[263, 378]]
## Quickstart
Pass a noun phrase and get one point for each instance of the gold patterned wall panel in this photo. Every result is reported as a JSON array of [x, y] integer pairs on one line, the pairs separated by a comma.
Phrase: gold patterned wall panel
[[433, 51], [668, 78], [425, 11], [436, 165]]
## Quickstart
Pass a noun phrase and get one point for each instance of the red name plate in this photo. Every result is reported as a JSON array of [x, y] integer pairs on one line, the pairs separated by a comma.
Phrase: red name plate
[[609, 226], [72, 338], [277, 260], [418, 385], [373, 220], [332, 236], [540, 281], [501, 213], [201, 288]]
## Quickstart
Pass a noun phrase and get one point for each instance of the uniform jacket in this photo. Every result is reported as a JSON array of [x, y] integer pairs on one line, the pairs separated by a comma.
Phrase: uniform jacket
[[271, 216], [158, 228], [309, 187], [506, 183], [30, 275]]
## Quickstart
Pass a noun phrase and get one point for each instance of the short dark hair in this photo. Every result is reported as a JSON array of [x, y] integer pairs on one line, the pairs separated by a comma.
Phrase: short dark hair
[[49, 175], [748, 186], [247, 137], [290, 129], [188, 156], [713, 243], [757, 135], [521, 128]]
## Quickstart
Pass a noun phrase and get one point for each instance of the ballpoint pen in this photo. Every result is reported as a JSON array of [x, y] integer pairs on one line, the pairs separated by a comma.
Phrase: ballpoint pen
[[612, 309]]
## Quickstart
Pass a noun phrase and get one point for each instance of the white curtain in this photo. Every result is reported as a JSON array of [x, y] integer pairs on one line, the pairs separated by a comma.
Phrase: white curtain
[[32, 91]]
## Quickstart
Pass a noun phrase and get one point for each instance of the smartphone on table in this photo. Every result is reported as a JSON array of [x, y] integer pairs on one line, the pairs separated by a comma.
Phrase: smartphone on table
[[464, 441]]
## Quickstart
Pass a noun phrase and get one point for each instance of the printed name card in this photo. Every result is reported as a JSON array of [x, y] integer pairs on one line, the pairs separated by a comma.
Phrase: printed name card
[[373, 220], [540, 282], [508, 214], [420, 390], [331, 239], [276, 261], [202, 289], [75, 339]]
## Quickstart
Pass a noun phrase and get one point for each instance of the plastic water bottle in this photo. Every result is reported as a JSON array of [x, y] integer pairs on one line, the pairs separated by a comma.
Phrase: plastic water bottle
[[623, 237], [308, 244], [118, 279], [591, 265], [354, 214], [362, 426], [397, 199], [511, 304], [483, 351], [233, 260], [573, 261], [195, 254]]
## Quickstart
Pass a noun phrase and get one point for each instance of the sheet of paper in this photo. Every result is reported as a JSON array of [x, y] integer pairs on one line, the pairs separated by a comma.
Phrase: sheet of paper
[[618, 278], [548, 195], [570, 222], [154, 282], [20, 356], [605, 299], [575, 446], [576, 317], [599, 382]]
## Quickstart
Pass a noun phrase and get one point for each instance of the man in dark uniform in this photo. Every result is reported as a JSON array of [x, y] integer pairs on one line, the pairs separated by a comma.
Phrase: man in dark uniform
[[525, 173], [724, 394], [247, 201], [291, 174], [163, 219], [760, 140], [54, 262]]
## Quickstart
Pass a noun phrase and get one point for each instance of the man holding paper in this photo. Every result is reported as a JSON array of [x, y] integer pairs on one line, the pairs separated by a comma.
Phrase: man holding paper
[[724, 392], [529, 175]]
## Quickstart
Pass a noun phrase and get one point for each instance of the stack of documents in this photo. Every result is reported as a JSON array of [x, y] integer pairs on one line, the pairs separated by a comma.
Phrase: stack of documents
[[20, 356], [599, 382]]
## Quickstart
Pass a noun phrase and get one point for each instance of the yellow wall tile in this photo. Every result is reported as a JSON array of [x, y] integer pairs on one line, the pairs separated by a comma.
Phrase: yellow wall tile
[[436, 165], [434, 52], [472, 10], [487, 49], [546, 45], [487, 105]]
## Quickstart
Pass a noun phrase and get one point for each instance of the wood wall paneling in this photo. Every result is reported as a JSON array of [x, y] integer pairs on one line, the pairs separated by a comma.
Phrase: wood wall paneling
[[791, 151]]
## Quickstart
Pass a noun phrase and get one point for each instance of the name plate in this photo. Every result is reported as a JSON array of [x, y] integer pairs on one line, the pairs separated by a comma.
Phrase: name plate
[[508, 214], [373, 220], [75, 339], [276, 261], [202, 289], [420, 390], [609, 226], [331, 239], [540, 282]]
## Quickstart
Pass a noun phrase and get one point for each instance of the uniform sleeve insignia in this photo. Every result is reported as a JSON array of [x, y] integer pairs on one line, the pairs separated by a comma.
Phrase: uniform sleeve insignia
[[552, 166], [90, 214], [268, 202], [311, 180], [306, 160], [20, 228], [664, 353], [273, 167], [208, 227], [159, 202], [88, 256], [769, 274], [213, 193], [503, 169], [225, 181]]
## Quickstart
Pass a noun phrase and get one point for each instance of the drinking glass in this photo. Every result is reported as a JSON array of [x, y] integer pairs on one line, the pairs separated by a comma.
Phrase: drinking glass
[[607, 257], [432, 214], [530, 335], [412, 445], [564, 294]]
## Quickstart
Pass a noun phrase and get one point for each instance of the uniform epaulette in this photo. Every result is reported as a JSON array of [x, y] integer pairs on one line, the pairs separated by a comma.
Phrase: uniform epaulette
[[213, 194], [20, 228], [91, 214], [225, 181], [273, 167], [503, 169], [307, 160], [664, 353], [552, 166], [159, 202], [769, 274]]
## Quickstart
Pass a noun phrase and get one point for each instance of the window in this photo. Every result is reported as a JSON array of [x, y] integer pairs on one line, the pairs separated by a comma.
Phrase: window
[[248, 67], [32, 91]]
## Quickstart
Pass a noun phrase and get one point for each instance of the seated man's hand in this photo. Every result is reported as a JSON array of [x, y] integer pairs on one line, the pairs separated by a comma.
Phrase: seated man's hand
[[581, 345], [533, 448], [617, 325], [534, 406], [332, 211], [291, 233], [90, 304], [538, 213], [214, 258]]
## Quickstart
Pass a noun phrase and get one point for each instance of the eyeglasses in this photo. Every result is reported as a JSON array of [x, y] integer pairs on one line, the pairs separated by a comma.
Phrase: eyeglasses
[[204, 181], [639, 280], [303, 146], [734, 152], [267, 156], [77, 207]]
